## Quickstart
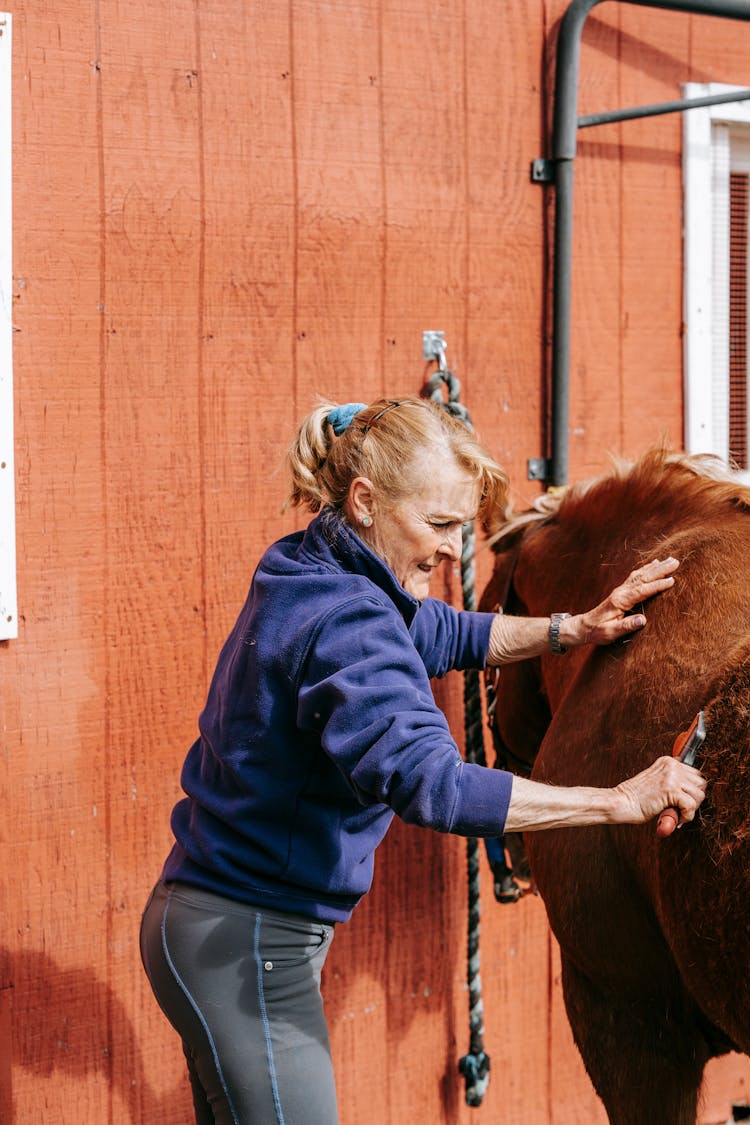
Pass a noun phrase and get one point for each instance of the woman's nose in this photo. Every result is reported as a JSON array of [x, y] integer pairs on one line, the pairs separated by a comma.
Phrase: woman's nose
[[452, 543]]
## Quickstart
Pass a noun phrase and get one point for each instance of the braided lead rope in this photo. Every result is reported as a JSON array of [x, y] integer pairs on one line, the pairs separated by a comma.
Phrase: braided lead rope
[[474, 1066]]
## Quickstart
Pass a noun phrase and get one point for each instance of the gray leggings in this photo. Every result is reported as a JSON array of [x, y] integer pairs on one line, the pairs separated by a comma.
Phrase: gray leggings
[[242, 987]]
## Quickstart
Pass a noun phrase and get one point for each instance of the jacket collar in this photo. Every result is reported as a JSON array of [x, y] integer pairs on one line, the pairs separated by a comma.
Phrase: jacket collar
[[330, 536]]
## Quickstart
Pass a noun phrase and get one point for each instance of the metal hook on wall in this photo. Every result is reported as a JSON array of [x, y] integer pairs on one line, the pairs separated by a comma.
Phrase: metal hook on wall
[[433, 348], [443, 381]]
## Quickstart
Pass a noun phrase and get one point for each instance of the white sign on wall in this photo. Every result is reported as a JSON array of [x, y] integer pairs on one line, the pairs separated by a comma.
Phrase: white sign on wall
[[8, 606]]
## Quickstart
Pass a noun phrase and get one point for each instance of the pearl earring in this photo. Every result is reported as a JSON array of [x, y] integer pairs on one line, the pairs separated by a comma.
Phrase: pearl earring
[[367, 521]]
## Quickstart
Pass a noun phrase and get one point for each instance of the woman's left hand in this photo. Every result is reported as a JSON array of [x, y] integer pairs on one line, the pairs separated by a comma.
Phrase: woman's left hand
[[611, 619]]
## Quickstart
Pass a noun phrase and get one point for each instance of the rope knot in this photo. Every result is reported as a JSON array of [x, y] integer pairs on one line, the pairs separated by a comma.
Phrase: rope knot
[[475, 1069]]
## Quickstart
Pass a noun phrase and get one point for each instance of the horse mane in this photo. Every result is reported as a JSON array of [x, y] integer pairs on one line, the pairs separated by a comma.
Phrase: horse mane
[[696, 480]]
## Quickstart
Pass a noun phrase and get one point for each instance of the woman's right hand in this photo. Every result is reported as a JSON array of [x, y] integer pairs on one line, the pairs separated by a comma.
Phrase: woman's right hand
[[666, 783]]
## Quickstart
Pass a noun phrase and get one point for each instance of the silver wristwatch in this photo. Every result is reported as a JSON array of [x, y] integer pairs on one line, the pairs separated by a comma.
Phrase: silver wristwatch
[[554, 633]]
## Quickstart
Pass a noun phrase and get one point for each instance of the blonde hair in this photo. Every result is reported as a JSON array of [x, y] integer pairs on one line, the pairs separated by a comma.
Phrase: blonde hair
[[381, 443]]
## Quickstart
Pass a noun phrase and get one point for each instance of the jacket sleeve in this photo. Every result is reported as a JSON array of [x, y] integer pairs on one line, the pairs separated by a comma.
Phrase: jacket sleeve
[[447, 639], [364, 690]]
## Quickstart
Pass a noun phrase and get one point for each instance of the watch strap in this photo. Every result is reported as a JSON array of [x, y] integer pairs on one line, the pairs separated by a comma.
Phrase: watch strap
[[554, 633]]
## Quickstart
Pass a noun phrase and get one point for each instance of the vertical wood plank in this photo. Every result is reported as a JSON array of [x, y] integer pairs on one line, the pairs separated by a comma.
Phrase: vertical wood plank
[[52, 699], [152, 447], [653, 49], [247, 398]]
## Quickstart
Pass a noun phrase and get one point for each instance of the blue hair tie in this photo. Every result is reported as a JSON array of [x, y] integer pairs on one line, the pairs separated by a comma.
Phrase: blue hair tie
[[340, 418]]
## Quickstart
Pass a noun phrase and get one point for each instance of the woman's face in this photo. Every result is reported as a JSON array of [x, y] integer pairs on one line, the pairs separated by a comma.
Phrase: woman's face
[[420, 532]]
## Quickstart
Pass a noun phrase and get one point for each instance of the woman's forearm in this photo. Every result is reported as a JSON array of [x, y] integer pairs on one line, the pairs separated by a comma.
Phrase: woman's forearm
[[534, 806], [666, 783], [517, 638]]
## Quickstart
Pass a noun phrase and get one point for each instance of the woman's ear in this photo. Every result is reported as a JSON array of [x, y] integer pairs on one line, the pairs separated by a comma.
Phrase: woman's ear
[[361, 501]]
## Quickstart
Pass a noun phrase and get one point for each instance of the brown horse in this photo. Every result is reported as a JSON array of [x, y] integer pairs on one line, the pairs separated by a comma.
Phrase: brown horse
[[654, 933]]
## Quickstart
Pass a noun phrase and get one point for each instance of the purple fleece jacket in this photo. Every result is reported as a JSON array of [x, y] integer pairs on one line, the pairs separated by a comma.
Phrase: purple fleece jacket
[[320, 724]]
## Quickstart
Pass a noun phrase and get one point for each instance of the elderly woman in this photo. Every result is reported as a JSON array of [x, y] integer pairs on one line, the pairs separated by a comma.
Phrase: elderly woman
[[320, 725]]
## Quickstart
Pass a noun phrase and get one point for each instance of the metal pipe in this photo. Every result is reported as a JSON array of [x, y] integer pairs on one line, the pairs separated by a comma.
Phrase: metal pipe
[[562, 277], [564, 135], [609, 116]]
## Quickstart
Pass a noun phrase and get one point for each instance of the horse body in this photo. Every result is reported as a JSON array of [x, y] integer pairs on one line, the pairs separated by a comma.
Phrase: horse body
[[654, 933]]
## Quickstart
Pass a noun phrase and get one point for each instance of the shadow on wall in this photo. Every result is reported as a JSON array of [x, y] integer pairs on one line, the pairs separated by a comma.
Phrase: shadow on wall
[[69, 1021]]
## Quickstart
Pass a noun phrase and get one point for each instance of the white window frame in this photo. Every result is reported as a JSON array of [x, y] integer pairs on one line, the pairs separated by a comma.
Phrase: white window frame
[[704, 261], [8, 602]]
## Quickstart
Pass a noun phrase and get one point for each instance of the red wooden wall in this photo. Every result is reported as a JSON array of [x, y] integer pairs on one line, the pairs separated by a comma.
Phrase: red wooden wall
[[222, 210]]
